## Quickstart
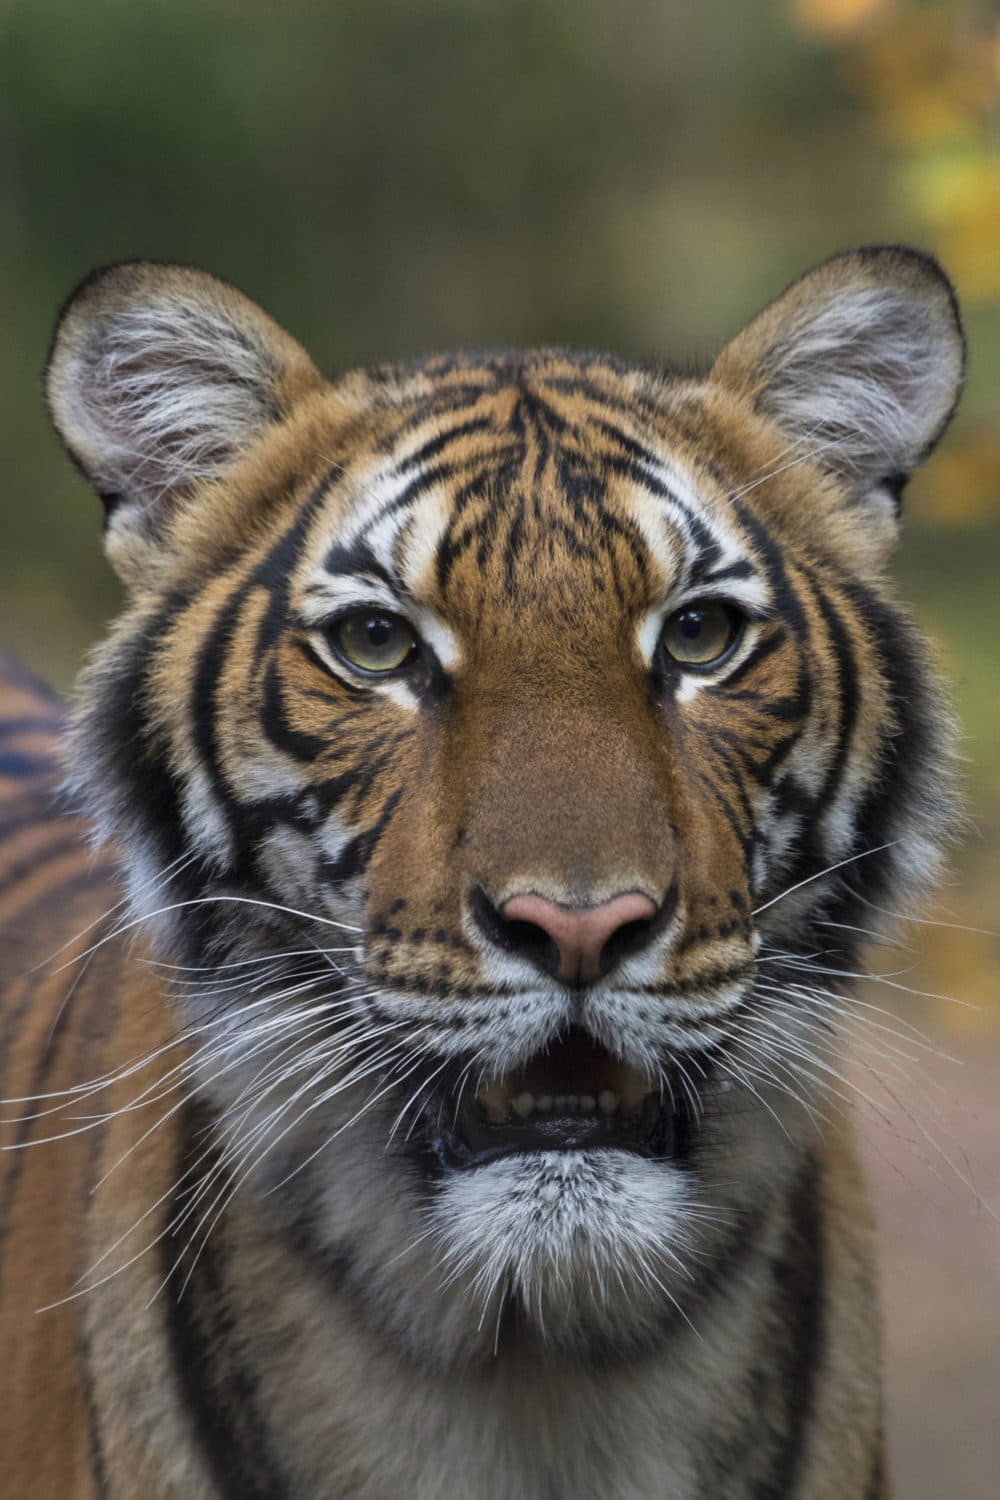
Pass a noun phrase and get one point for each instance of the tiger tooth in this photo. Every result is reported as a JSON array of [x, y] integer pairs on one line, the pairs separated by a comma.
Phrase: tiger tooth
[[571, 1103], [494, 1102], [607, 1102], [588, 1103], [630, 1100], [543, 1103], [523, 1105], [559, 1102]]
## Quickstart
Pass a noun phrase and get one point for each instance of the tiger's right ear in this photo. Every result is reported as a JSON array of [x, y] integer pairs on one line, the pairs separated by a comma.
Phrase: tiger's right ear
[[159, 376]]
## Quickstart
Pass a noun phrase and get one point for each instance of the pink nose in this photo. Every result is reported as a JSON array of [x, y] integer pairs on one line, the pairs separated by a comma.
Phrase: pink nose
[[579, 932]]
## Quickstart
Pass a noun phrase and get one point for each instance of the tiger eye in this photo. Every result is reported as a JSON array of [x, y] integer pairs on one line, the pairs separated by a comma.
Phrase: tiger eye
[[700, 634], [374, 641]]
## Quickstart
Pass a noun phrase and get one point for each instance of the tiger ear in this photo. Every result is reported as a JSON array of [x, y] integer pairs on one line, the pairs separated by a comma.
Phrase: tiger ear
[[861, 363], [158, 377]]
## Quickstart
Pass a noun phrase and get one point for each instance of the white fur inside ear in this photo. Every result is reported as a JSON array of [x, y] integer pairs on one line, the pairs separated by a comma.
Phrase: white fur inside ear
[[865, 379], [157, 395]]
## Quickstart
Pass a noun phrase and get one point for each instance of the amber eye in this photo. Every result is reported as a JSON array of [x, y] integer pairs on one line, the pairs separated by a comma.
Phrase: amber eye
[[700, 634], [374, 641]]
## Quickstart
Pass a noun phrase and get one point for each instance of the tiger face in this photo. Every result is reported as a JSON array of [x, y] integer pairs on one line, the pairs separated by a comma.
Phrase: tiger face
[[484, 741]]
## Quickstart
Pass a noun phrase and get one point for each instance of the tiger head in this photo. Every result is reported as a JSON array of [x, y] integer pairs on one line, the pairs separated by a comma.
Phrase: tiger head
[[485, 741]]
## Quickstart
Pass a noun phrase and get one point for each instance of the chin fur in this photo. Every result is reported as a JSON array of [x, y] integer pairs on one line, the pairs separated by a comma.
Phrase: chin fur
[[578, 1244]]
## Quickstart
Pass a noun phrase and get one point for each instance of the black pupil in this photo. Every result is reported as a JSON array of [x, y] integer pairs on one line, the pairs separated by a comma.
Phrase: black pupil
[[380, 629], [691, 623]]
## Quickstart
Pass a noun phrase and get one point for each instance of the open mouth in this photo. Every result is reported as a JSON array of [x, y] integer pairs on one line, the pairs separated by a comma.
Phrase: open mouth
[[575, 1096]]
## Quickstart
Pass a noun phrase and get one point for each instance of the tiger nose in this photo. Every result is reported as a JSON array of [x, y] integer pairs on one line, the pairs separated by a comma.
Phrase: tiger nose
[[574, 943]]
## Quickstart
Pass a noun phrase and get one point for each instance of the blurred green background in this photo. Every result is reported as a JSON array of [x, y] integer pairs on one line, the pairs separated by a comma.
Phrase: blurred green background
[[393, 176]]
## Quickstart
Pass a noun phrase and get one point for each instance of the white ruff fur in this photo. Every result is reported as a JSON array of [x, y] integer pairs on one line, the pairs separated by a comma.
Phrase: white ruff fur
[[562, 1230]]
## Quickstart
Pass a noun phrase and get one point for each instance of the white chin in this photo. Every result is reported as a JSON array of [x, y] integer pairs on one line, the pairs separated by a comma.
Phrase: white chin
[[579, 1240]]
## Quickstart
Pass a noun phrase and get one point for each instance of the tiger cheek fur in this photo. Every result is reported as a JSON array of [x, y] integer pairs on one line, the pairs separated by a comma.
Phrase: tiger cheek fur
[[488, 746]]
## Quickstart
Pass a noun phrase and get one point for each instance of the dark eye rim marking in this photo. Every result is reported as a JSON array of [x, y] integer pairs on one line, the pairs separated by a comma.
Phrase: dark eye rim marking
[[740, 619], [330, 628], [421, 673]]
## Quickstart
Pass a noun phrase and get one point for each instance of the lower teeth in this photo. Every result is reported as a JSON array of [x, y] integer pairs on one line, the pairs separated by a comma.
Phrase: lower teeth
[[524, 1105]]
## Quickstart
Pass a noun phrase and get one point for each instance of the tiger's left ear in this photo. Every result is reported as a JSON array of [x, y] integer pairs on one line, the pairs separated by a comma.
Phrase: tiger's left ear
[[861, 363]]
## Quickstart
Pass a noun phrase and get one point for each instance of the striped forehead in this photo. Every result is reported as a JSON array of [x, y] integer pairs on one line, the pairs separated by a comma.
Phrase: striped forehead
[[384, 545]]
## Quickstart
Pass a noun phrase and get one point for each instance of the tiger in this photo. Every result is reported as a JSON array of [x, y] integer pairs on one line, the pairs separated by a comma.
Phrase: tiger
[[418, 1081]]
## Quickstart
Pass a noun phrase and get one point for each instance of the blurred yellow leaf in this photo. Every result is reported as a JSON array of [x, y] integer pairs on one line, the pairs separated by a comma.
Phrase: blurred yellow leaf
[[957, 193], [961, 483], [927, 112], [927, 75], [908, 50], [944, 182], [836, 19], [931, 73], [969, 243]]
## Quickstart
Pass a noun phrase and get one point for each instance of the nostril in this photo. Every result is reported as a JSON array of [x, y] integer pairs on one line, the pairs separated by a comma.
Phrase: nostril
[[526, 939], [631, 937]]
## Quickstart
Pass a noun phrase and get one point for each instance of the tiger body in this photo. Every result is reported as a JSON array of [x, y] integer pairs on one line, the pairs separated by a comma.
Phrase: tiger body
[[320, 1232]]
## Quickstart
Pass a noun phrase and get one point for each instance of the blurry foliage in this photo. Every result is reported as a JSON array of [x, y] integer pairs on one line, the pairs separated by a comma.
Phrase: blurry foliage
[[930, 76]]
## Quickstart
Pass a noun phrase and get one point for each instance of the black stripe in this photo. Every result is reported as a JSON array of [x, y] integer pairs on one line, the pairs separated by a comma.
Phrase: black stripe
[[758, 1447], [271, 573], [102, 1020], [356, 855], [798, 1277], [11, 670], [274, 724], [849, 697], [586, 491], [95, 1449], [876, 1484], [34, 808], [138, 759], [630, 445], [34, 859], [417, 486], [733, 789], [606, 399], [484, 484], [31, 724], [48, 1057], [719, 794], [20, 765], [218, 1389], [793, 709], [764, 648], [741, 569], [349, 562], [462, 396], [909, 768], [436, 445]]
